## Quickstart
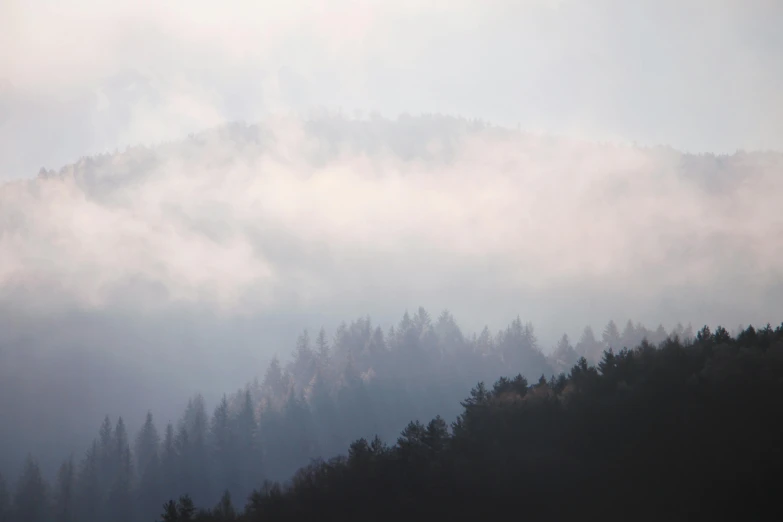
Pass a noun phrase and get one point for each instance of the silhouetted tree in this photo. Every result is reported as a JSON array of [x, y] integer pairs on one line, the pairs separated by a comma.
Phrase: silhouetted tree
[[64, 496], [588, 347], [146, 450], [622, 425], [611, 336], [89, 490], [31, 501], [120, 495], [248, 445], [564, 355]]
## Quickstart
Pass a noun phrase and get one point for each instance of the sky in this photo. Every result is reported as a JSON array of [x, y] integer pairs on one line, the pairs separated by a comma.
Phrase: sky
[[80, 77]]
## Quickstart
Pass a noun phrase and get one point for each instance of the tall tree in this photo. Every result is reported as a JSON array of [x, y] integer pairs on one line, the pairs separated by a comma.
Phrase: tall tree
[[146, 444], [169, 463], [304, 363], [611, 336], [120, 500], [31, 502], [274, 384], [629, 338], [588, 347], [146, 451], [679, 330], [195, 453], [224, 511], [107, 466], [64, 496], [298, 428], [245, 427], [322, 350], [89, 491], [564, 355], [325, 416], [658, 336], [449, 333], [223, 442]]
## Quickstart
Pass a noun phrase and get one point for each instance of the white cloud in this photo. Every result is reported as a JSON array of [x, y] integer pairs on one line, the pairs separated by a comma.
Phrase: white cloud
[[334, 214]]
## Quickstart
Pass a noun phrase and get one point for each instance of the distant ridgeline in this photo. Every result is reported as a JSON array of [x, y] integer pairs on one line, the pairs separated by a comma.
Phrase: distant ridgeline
[[665, 424]]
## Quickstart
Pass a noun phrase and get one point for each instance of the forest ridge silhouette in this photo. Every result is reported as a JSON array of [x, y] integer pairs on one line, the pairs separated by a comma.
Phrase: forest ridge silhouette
[[686, 425]]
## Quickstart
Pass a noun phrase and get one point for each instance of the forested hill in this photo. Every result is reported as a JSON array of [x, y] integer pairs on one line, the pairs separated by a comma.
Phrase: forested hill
[[687, 427], [359, 381], [678, 432], [131, 280]]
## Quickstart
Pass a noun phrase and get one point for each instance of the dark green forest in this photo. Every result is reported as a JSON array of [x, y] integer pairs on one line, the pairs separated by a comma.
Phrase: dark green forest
[[637, 424]]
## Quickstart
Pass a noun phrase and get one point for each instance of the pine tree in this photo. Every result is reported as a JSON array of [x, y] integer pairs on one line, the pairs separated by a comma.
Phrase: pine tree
[[677, 332], [149, 490], [31, 502], [304, 363], [224, 456], [448, 332], [298, 429], [323, 353], [107, 465], [628, 339], [247, 445], [120, 500], [564, 355], [611, 336], [687, 334], [89, 491], [196, 454], [181, 511], [184, 465], [146, 451], [325, 417], [588, 347], [658, 336], [377, 348], [169, 464], [64, 497], [224, 511], [146, 444], [274, 384]]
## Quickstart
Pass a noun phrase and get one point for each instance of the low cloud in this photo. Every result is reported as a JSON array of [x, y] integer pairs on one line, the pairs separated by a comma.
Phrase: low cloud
[[374, 215]]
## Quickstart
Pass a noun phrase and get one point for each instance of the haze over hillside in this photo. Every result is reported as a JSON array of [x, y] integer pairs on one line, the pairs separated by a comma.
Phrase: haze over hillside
[[185, 187], [191, 263], [328, 213]]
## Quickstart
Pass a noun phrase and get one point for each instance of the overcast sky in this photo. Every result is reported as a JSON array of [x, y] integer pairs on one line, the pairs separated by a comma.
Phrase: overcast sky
[[82, 76]]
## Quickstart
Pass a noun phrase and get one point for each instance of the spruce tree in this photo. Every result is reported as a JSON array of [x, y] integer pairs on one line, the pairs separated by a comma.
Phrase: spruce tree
[[64, 496], [31, 502]]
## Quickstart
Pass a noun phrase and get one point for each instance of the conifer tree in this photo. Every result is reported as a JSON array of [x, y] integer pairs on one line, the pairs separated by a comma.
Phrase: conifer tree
[[64, 495], [120, 500], [89, 491], [31, 501]]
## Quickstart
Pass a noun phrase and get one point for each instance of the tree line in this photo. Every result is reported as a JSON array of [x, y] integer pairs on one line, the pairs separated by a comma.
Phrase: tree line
[[680, 431], [363, 385]]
